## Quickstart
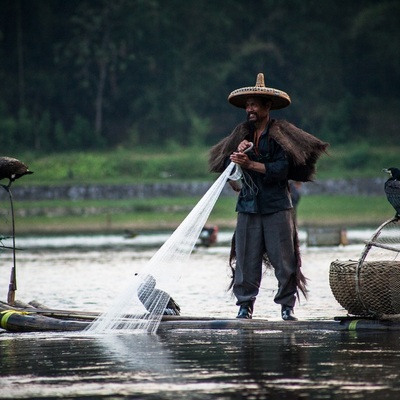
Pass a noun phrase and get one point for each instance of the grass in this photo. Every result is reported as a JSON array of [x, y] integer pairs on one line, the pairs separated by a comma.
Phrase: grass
[[344, 211], [119, 166], [184, 164]]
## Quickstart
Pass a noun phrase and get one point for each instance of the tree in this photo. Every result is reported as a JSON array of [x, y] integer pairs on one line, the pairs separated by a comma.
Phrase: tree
[[92, 73], [96, 49]]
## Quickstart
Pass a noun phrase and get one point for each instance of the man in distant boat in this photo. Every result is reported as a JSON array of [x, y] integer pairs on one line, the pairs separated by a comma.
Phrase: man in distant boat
[[266, 231]]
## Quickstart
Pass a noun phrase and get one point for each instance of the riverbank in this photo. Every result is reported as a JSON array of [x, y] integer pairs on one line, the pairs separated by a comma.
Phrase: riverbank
[[164, 213]]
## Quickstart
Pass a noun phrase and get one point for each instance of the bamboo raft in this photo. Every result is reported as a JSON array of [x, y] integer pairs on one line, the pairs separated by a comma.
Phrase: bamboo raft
[[34, 317]]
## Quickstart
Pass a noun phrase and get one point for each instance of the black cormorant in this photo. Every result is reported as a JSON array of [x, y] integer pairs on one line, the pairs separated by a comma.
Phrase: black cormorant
[[392, 188], [12, 169]]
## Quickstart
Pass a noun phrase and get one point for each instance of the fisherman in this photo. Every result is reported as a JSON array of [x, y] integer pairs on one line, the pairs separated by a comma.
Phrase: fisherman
[[266, 231]]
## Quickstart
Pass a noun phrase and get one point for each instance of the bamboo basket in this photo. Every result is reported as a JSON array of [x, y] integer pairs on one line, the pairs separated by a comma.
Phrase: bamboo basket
[[374, 291], [371, 286]]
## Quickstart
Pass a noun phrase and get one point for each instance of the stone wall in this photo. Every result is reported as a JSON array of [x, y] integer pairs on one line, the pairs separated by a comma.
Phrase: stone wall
[[369, 187]]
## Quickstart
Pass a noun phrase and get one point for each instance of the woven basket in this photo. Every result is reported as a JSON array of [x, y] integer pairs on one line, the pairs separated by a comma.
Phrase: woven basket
[[377, 293]]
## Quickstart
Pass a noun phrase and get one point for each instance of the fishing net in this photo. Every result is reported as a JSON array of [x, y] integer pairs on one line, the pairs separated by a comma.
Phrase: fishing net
[[371, 286], [145, 300]]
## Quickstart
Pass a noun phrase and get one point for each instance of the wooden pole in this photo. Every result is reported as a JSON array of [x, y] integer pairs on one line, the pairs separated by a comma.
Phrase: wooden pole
[[13, 278]]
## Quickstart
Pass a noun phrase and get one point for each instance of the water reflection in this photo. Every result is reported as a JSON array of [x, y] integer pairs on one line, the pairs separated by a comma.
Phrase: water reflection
[[202, 365]]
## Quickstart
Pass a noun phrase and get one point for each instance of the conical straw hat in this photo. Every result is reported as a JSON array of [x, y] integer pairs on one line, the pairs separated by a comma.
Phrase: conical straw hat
[[279, 98]]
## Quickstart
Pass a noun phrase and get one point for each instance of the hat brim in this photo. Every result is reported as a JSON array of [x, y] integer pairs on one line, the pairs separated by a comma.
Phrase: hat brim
[[279, 99]]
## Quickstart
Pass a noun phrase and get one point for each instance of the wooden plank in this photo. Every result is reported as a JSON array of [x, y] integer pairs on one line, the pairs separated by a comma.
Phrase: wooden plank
[[16, 321], [253, 324], [55, 313], [37, 320]]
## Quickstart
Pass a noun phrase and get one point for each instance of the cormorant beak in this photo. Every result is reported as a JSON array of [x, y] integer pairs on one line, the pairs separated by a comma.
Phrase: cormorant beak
[[388, 171]]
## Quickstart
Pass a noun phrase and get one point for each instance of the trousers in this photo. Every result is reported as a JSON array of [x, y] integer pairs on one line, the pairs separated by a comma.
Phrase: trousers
[[257, 234]]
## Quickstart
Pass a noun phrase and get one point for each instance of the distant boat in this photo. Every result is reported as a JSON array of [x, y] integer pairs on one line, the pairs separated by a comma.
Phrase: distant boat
[[208, 236], [128, 234]]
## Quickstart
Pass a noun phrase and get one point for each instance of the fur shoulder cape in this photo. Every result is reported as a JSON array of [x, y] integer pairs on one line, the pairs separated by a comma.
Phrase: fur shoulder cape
[[302, 148]]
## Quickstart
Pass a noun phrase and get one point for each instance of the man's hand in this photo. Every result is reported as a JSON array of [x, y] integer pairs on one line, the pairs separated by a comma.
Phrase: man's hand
[[241, 159], [244, 145]]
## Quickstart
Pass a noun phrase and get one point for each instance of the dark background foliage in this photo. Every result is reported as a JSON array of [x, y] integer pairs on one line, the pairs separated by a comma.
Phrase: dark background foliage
[[95, 74]]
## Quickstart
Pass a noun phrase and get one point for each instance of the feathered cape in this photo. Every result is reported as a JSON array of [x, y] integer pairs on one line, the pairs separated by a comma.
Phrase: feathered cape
[[302, 148]]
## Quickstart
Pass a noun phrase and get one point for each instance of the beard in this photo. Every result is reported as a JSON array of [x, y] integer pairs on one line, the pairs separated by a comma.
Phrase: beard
[[252, 122]]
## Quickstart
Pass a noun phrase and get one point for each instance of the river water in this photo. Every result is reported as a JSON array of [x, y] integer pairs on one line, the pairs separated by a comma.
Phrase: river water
[[87, 273]]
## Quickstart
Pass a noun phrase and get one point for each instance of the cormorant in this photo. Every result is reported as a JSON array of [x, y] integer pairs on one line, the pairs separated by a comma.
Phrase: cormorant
[[12, 169], [150, 296], [392, 188]]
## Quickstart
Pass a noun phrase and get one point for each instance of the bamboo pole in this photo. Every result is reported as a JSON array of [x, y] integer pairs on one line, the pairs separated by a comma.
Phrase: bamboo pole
[[13, 278]]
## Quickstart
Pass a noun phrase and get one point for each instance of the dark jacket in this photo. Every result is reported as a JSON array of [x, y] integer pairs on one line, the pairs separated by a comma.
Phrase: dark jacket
[[266, 193]]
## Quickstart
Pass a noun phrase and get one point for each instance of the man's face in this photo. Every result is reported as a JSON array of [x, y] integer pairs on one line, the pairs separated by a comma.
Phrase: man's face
[[256, 109]]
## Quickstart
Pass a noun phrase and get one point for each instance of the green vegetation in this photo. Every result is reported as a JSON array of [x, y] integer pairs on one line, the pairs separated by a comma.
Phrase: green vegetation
[[344, 211], [185, 164], [119, 166], [358, 161]]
